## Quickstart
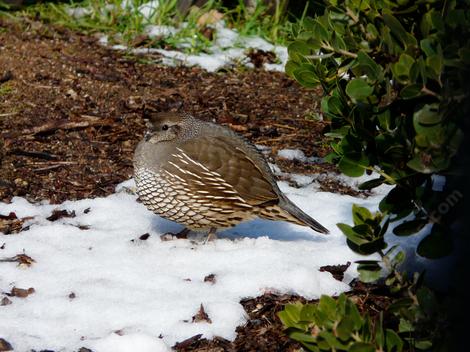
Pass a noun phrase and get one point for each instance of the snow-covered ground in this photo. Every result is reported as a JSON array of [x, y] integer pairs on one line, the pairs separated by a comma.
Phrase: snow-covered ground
[[149, 290], [228, 48]]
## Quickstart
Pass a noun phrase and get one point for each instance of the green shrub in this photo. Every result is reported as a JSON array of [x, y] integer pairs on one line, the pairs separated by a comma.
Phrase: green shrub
[[336, 325], [395, 78], [394, 75]]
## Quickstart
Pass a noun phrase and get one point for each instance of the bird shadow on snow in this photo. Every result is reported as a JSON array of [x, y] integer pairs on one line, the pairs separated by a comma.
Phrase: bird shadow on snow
[[274, 230]]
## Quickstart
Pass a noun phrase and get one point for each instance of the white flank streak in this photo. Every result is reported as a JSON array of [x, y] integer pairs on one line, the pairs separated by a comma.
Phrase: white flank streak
[[193, 174], [182, 170], [174, 176]]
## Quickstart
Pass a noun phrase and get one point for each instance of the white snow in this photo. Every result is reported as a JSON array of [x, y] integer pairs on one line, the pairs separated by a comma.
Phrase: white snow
[[149, 9], [160, 31], [296, 154], [78, 12], [129, 343], [146, 289], [229, 48]]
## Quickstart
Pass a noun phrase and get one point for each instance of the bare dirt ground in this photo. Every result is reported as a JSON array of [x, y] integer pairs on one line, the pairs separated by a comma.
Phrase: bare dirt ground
[[71, 114]]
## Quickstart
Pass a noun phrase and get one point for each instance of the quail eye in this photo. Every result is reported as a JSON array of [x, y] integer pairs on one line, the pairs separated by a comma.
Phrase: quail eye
[[164, 127]]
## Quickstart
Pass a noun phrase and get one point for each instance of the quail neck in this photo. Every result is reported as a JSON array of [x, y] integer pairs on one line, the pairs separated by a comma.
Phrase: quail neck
[[207, 177]]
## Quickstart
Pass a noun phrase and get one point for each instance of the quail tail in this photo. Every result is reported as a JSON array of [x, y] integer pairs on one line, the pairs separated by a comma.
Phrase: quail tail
[[297, 213]]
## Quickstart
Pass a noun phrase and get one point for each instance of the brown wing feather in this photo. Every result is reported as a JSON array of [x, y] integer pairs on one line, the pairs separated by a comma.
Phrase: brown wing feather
[[230, 165]]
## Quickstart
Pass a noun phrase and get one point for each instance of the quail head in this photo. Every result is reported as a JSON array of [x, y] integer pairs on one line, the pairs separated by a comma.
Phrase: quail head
[[207, 177]]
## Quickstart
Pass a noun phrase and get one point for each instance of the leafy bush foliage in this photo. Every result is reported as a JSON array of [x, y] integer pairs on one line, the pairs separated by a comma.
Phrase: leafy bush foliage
[[394, 75], [395, 78], [336, 325]]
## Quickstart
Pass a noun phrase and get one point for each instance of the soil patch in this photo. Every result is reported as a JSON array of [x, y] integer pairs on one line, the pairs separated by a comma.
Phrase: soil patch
[[71, 111]]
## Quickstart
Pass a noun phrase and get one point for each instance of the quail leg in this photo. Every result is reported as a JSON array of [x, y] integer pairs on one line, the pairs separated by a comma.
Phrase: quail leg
[[211, 236], [183, 234]]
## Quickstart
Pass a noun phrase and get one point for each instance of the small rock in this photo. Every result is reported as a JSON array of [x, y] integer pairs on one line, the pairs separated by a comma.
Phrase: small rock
[[72, 94], [210, 278], [58, 214], [84, 349], [166, 237], [144, 237], [201, 316], [5, 301]]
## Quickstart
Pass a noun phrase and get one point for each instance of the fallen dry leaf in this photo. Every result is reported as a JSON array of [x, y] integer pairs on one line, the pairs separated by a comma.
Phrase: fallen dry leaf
[[10, 224], [21, 292], [5, 301], [22, 259], [211, 17], [201, 316], [60, 213], [144, 237], [336, 270], [210, 278]]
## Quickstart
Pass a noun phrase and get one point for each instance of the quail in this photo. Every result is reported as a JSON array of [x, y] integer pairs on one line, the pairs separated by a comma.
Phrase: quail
[[206, 177]]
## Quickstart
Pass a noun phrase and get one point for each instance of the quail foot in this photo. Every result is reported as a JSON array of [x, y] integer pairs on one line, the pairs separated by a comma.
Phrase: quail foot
[[206, 177]]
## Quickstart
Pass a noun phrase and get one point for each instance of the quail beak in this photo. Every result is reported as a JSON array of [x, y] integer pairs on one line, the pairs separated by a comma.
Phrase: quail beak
[[147, 136]]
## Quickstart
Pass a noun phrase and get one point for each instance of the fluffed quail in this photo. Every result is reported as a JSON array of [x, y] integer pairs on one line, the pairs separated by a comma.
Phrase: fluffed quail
[[207, 177]]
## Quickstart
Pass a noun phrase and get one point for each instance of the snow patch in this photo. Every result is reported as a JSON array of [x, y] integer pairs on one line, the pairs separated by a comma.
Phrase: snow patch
[[160, 31], [297, 154], [129, 343], [147, 288]]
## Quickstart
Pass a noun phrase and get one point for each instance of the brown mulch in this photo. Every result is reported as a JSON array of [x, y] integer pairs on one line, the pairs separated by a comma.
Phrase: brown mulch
[[263, 331], [71, 111], [71, 114]]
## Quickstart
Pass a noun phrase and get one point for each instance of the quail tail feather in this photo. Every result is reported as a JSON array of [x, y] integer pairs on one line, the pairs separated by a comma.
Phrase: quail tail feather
[[288, 211], [304, 219]]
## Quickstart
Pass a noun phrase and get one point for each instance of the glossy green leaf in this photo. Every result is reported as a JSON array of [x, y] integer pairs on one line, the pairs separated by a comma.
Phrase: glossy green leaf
[[351, 167], [393, 341], [345, 328], [405, 326], [411, 91], [360, 214], [371, 184], [361, 347], [332, 105], [328, 306], [308, 312], [369, 272], [368, 66], [306, 76], [302, 337], [423, 344], [401, 69], [436, 244], [358, 89], [409, 227]]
